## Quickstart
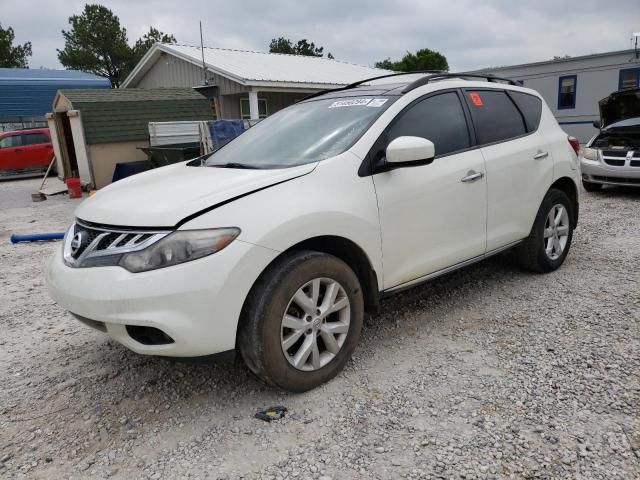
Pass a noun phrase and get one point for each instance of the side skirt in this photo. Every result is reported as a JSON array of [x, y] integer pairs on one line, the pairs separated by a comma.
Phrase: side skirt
[[444, 271]]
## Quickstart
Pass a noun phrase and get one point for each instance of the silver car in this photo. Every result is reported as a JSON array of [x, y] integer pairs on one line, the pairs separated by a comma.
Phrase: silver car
[[612, 157]]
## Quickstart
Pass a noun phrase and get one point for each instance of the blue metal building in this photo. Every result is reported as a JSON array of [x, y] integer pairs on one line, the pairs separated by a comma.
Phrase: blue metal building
[[27, 94]]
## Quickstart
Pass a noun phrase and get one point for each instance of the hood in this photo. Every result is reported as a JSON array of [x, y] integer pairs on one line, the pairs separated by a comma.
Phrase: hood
[[165, 196], [619, 106]]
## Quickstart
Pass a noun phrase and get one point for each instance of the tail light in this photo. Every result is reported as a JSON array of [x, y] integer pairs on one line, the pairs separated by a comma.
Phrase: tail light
[[575, 144]]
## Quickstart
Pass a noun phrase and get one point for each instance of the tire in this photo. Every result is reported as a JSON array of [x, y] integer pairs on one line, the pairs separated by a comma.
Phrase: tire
[[591, 187], [532, 253], [263, 336]]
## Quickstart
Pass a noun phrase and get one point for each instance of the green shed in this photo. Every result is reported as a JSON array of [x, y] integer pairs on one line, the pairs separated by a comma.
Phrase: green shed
[[92, 130]]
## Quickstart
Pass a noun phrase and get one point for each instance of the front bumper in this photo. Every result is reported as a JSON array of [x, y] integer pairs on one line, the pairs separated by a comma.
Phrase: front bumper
[[197, 304], [595, 171]]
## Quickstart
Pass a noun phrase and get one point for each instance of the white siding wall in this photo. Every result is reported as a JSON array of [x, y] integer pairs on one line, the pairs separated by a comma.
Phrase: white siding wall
[[597, 77]]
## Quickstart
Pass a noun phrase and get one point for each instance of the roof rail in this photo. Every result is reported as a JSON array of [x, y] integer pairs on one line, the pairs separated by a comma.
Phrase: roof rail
[[425, 80], [430, 75], [360, 82]]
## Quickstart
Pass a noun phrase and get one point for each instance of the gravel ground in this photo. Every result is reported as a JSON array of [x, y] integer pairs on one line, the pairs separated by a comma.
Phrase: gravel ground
[[486, 373]]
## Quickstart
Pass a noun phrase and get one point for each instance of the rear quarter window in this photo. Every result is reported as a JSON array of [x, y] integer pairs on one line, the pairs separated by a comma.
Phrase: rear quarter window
[[495, 116], [531, 108]]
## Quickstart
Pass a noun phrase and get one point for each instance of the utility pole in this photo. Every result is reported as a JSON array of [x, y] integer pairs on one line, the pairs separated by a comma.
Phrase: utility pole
[[204, 66]]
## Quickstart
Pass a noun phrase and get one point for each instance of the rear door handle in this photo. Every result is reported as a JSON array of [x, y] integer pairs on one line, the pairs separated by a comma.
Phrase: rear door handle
[[472, 176], [540, 155]]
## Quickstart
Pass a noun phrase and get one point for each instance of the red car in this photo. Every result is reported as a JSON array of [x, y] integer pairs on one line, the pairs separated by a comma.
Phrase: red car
[[23, 151]]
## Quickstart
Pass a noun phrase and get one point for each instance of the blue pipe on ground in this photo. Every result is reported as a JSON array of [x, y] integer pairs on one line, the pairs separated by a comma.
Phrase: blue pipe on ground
[[37, 237]]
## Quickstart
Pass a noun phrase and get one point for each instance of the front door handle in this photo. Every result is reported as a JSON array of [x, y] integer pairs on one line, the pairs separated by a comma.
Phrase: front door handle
[[540, 155], [472, 176]]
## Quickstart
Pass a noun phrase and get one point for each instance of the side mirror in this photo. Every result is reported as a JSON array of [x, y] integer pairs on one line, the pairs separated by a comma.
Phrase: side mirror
[[597, 124], [410, 151]]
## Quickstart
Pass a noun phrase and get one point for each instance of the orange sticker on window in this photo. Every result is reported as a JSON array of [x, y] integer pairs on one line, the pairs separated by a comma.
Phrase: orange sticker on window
[[475, 99]]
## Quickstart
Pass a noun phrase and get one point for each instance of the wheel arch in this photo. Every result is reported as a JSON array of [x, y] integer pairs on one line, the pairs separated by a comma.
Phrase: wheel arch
[[347, 251], [351, 254], [569, 187]]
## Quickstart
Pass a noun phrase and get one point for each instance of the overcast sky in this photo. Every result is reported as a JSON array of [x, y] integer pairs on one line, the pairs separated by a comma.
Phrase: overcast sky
[[469, 33]]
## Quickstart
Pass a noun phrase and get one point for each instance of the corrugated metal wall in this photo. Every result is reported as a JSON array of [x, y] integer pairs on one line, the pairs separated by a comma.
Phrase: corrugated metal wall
[[169, 71], [32, 98]]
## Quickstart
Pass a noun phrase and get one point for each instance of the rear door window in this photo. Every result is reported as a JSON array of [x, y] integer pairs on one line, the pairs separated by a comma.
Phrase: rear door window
[[34, 138], [439, 118], [495, 116], [531, 108]]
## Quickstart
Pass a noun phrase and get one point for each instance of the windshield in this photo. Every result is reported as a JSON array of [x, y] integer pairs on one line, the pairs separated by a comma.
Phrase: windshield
[[302, 133]]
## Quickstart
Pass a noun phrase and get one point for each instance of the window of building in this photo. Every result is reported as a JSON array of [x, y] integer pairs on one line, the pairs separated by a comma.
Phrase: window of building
[[567, 92], [245, 111], [629, 78], [440, 119], [10, 141], [34, 138], [495, 117]]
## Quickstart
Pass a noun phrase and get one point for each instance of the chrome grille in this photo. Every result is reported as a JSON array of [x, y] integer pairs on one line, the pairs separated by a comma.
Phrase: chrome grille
[[614, 153], [620, 158], [88, 245], [616, 162]]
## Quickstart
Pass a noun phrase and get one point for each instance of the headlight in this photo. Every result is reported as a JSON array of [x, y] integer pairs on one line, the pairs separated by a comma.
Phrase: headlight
[[179, 247], [590, 154]]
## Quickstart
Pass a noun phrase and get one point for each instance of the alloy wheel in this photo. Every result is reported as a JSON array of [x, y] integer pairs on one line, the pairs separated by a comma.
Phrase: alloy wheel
[[315, 324], [556, 231]]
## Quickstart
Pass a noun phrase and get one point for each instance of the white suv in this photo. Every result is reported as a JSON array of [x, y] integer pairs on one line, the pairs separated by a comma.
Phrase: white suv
[[278, 243]]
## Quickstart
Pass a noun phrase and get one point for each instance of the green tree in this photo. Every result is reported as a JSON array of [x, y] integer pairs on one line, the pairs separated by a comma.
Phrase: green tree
[[144, 43], [13, 56], [281, 45], [97, 43], [386, 64], [303, 47], [423, 59]]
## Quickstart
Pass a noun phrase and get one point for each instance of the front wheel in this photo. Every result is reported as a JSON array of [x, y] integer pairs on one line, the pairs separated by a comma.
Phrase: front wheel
[[546, 247], [302, 321]]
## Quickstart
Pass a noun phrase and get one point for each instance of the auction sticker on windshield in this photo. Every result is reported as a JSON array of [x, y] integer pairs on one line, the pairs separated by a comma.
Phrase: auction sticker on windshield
[[377, 102], [354, 102]]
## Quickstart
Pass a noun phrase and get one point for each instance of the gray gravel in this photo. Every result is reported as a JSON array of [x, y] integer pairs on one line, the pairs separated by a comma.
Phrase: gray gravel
[[487, 373]]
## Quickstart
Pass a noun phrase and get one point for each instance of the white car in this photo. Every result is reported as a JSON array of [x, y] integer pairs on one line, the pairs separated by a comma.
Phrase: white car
[[278, 243]]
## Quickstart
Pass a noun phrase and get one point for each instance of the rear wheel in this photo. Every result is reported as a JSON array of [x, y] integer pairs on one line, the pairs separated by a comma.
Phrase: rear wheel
[[591, 187], [546, 247], [302, 321]]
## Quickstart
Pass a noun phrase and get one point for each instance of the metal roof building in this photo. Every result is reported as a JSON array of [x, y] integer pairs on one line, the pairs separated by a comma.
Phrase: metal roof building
[[243, 84], [27, 94]]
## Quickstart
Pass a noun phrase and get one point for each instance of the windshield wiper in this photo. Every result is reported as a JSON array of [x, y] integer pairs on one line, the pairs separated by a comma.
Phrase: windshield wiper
[[234, 165]]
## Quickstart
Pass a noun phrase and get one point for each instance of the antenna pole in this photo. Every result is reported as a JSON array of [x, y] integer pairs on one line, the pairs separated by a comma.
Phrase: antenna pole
[[204, 66]]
